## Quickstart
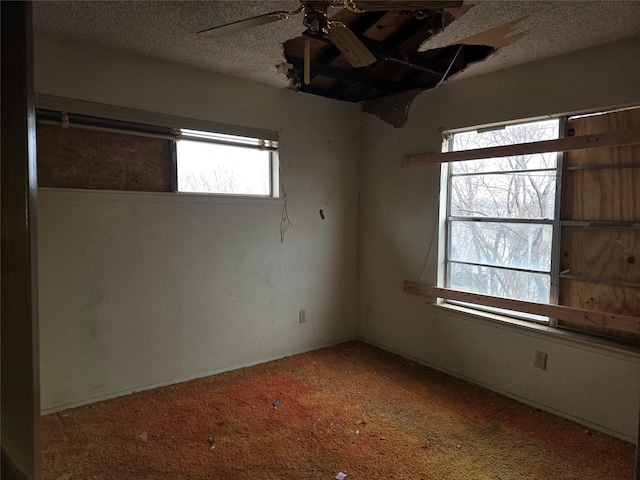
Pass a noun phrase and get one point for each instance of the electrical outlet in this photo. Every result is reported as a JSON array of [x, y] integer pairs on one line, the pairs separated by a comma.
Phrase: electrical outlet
[[302, 316], [540, 360]]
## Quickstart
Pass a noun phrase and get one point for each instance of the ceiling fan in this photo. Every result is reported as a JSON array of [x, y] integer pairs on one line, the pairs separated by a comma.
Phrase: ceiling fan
[[316, 20]]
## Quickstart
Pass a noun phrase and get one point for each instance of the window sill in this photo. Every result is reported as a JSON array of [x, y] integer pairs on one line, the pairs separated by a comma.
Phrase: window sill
[[76, 194], [547, 333]]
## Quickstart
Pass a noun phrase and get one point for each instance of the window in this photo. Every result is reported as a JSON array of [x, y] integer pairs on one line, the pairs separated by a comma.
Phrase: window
[[89, 152], [511, 233], [226, 164], [500, 216]]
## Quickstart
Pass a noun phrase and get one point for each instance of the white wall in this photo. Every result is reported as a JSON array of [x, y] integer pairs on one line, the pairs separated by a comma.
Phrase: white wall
[[138, 290], [399, 210], [142, 289]]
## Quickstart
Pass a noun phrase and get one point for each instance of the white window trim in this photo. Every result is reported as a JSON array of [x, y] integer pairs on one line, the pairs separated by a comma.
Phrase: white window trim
[[444, 243], [110, 112], [235, 141]]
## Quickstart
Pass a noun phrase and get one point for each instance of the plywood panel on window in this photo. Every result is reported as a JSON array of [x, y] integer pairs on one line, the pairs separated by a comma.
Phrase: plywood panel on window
[[600, 296], [611, 255], [79, 158], [608, 194], [622, 300], [596, 157], [600, 267], [609, 122]]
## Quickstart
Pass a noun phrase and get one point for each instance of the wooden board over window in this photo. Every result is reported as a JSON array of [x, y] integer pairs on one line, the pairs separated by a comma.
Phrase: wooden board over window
[[80, 158], [600, 261]]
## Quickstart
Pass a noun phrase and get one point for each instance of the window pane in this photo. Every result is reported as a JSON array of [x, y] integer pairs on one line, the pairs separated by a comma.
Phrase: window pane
[[537, 161], [512, 195], [533, 287], [488, 257], [212, 168], [515, 245], [509, 135]]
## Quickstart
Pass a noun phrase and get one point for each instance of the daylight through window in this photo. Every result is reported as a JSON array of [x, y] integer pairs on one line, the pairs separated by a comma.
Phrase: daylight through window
[[112, 154], [500, 216], [226, 164]]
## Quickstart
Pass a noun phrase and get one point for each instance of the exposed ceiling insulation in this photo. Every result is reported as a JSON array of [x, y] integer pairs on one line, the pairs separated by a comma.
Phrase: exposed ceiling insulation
[[523, 31]]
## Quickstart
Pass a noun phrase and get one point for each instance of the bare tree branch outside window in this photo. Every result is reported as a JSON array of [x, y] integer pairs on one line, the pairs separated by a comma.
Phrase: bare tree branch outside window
[[222, 169], [497, 246]]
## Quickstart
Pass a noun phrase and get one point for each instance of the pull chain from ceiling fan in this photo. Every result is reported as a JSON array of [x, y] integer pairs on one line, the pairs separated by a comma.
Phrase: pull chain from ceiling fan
[[307, 62]]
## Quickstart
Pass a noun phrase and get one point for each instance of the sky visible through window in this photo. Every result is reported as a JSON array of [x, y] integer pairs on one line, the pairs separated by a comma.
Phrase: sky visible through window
[[500, 231], [213, 168]]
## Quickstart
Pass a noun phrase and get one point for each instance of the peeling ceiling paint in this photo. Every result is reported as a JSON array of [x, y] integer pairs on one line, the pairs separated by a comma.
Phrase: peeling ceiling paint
[[546, 29]]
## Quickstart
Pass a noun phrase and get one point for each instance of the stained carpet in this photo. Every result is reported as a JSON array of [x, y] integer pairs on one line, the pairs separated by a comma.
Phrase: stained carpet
[[351, 409]]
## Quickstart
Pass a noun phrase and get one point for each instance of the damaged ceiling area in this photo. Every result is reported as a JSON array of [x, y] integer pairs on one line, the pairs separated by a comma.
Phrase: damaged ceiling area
[[393, 38], [368, 51]]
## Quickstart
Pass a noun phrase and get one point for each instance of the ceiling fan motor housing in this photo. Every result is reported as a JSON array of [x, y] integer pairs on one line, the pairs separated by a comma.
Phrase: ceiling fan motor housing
[[315, 20]]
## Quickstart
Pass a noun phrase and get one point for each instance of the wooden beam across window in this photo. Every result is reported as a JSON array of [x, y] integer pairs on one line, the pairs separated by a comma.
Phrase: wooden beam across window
[[600, 140], [624, 323]]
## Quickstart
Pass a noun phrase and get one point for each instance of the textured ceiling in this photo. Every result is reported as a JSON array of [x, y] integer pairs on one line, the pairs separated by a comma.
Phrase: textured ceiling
[[168, 30]]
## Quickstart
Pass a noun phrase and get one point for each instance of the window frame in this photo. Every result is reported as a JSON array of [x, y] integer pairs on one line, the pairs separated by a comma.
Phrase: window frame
[[68, 112], [233, 141], [555, 223]]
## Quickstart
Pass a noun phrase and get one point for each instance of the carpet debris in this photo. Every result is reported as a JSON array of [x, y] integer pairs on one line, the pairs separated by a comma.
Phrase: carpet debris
[[406, 420]]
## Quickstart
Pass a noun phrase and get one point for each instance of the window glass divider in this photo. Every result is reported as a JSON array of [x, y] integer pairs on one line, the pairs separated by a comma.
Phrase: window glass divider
[[554, 294], [502, 267], [174, 167], [229, 143], [502, 172], [535, 221], [448, 233]]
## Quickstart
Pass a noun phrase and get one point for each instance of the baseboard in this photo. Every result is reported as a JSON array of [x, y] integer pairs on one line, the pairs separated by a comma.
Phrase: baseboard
[[493, 388], [175, 381]]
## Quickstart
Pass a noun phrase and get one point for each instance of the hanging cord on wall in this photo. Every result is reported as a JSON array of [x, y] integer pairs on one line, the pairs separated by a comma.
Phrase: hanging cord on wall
[[436, 224], [426, 257], [285, 223]]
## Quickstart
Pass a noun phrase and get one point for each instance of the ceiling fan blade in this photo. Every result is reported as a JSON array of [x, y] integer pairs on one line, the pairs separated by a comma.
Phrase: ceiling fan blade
[[351, 47], [240, 25], [380, 6]]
